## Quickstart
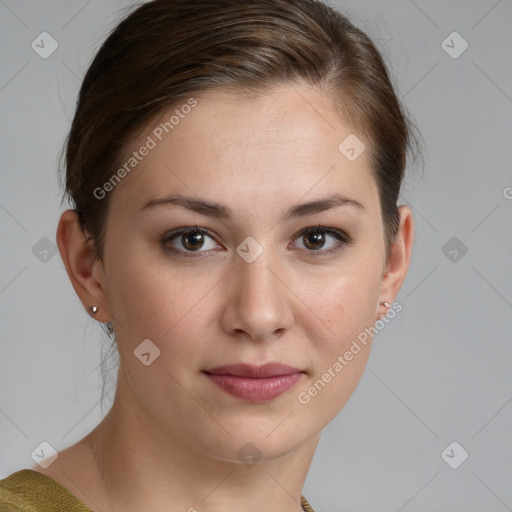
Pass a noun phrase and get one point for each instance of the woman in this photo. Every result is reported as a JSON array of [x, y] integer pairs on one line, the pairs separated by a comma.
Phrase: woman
[[234, 171]]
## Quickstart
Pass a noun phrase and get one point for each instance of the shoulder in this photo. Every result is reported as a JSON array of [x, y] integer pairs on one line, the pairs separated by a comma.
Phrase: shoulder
[[306, 507], [27, 490], [8, 498], [13, 489]]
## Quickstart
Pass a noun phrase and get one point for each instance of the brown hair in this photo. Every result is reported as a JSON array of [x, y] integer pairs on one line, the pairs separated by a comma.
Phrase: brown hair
[[167, 50]]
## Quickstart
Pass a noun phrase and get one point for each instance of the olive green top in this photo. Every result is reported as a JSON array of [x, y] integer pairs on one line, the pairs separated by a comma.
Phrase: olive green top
[[30, 491]]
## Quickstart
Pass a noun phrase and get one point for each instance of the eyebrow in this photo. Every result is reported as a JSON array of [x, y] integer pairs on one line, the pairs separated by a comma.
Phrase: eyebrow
[[220, 211]]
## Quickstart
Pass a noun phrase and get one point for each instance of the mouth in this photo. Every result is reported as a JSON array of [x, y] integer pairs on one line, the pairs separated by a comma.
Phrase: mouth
[[255, 383]]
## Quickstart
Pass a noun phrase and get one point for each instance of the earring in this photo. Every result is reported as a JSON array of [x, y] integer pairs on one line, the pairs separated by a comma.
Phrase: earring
[[93, 309], [387, 305]]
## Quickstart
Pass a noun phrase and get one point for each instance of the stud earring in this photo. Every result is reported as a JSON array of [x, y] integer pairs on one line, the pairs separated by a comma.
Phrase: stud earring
[[387, 305], [93, 309]]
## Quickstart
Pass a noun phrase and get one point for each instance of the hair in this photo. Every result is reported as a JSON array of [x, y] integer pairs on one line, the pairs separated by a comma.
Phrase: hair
[[165, 51]]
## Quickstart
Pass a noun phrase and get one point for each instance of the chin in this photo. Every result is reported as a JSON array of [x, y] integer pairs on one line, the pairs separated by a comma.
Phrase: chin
[[263, 439]]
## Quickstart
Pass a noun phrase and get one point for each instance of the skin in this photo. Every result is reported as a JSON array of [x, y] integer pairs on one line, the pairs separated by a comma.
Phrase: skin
[[172, 436]]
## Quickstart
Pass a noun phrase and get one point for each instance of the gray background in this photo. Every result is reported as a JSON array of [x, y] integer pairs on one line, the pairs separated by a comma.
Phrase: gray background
[[439, 372]]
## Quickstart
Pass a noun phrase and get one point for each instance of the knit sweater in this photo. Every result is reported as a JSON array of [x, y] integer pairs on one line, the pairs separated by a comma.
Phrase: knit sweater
[[29, 491]]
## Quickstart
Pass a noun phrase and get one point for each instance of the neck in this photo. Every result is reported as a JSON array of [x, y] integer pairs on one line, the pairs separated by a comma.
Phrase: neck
[[145, 467]]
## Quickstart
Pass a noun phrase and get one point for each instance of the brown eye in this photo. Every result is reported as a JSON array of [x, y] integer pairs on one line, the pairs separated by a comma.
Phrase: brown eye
[[314, 240], [322, 240], [189, 240], [192, 240]]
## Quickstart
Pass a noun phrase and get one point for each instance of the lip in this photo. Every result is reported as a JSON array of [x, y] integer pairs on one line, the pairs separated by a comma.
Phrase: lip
[[255, 371], [255, 383]]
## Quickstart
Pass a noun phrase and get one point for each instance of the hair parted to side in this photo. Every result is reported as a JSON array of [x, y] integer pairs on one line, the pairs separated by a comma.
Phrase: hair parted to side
[[166, 51]]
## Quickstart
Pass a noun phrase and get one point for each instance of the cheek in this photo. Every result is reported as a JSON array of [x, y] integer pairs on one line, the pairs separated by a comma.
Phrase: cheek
[[157, 303], [346, 299], [157, 300], [341, 341], [349, 315], [340, 357]]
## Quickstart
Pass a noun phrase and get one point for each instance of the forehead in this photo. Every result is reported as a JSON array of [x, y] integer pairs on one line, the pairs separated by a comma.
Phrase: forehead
[[286, 141]]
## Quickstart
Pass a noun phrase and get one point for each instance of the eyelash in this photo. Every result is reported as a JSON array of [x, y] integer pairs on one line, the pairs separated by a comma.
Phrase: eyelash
[[342, 240]]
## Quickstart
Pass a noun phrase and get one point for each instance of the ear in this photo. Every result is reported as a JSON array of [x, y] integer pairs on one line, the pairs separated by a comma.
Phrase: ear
[[84, 269], [399, 258]]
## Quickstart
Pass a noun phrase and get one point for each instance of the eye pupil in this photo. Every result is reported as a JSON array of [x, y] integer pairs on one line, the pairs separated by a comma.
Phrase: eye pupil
[[192, 240], [314, 240]]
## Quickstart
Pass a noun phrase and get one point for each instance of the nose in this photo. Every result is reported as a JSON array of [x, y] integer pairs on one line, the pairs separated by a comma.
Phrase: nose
[[258, 301]]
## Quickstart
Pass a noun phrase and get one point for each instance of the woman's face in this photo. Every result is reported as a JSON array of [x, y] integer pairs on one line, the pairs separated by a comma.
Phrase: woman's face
[[255, 288]]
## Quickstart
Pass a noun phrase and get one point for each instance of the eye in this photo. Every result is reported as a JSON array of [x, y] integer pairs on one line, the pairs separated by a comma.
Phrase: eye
[[322, 240], [315, 241], [189, 240]]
